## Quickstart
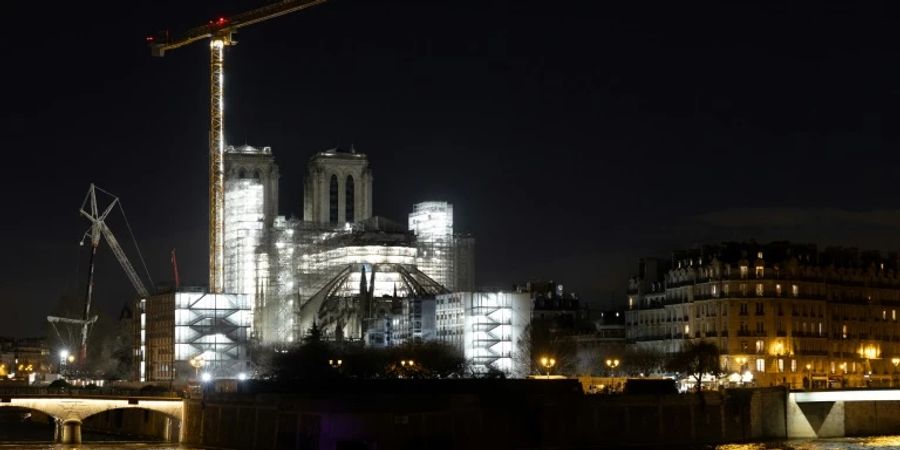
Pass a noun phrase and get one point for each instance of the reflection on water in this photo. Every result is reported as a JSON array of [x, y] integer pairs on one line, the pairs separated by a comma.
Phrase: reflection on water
[[885, 442], [97, 446]]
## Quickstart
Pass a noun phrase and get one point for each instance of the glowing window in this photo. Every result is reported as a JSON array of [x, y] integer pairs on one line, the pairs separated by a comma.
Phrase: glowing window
[[760, 365], [760, 346], [778, 290], [759, 290], [760, 271], [795, 290], [744, 270], [780, 365]]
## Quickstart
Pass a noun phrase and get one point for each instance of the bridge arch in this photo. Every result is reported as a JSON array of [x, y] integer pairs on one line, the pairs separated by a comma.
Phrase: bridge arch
[[70, 412]]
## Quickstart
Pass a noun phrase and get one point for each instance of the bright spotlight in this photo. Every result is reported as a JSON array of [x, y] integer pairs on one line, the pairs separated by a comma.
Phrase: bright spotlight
[[242, 376], [205, 377]]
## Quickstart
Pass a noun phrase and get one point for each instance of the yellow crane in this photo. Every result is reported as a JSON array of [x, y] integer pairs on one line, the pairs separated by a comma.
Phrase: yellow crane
[[219, 32]]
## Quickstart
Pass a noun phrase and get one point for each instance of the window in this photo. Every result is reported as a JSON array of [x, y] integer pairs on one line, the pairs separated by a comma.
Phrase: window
[[760, 346], [778, 290], [715, 292], [760, 365], [760, 328], [844, 331], [780, 365], [760, 309], [760, 271], [759, 255], [744, 270], [759, 290], [350, 202], [743, 309], [333, 200], [795, 290], [793, 365], [893, 314]]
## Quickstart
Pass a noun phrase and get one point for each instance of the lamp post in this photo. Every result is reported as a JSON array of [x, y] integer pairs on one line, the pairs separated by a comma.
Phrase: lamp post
[[337, 363], [197, 362], [548, 364], [612, 364], [406, 366], [809, 376], [895, 361]]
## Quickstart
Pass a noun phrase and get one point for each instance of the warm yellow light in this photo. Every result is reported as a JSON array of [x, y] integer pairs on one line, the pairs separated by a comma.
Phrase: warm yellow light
[[777, 348], [869, 352], [71, 358], [895, 360], [809, 367]]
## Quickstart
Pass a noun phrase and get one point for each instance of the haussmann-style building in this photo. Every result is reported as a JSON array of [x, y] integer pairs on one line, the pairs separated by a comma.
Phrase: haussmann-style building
[[781, 313]]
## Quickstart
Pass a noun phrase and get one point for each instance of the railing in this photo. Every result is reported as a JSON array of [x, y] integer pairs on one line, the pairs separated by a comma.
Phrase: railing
[[84, 392]]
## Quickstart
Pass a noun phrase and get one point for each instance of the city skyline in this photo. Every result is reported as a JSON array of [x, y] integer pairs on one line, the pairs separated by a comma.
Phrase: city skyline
[[571, 141]]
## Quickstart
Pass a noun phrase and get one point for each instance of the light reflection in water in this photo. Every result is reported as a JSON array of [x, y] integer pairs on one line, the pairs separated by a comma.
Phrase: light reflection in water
[[881, 442]]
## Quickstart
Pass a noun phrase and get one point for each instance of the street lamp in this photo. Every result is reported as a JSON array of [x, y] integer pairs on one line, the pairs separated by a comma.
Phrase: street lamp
[[895, 361], [809, 375], [336, 363], [548, 363], [612, 364], [197, 362]]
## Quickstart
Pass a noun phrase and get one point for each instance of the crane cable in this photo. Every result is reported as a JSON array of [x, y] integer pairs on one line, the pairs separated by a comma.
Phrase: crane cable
[[134, 241], [130, 232]]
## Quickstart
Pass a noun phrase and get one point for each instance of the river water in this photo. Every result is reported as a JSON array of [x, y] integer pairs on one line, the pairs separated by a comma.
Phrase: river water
[[879, 442]]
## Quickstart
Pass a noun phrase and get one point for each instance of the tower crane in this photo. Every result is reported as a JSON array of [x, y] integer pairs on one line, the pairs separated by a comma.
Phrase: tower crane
[[219, 32], [90, 209]]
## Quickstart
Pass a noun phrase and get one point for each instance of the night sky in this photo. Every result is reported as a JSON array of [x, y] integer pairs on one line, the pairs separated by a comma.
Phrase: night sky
[[571, 137]]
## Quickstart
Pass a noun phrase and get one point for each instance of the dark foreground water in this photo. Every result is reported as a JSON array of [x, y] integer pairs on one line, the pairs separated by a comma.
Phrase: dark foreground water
[[878, 442]]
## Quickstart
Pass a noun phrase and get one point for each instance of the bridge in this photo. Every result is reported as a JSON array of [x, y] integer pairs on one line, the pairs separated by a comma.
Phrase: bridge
[[71, 408], [823, 414]]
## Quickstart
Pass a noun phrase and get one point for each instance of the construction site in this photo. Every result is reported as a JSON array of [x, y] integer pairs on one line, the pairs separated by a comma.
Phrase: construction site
[[357, 276]]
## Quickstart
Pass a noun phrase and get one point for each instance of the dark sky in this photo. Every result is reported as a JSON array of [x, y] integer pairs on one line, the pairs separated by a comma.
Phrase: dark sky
[[571, 137]]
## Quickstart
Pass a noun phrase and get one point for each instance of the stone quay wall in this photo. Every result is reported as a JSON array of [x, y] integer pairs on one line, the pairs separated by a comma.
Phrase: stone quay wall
[[465, 414]]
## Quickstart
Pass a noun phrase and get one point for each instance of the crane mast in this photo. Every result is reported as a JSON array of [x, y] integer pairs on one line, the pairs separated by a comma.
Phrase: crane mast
[[219, 32], [90, 209]]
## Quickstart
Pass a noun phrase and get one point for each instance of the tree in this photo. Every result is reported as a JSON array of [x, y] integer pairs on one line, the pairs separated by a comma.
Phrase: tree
[[538, 340], [638, 360], [696, 360]]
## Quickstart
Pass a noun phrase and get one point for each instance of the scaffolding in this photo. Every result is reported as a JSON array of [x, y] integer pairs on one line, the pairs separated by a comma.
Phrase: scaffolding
[[216, 328], [432, 223]]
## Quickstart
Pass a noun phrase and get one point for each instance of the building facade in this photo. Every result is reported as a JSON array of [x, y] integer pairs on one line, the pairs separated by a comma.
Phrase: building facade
[[485, 327], [338, 188], [780, 313]]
